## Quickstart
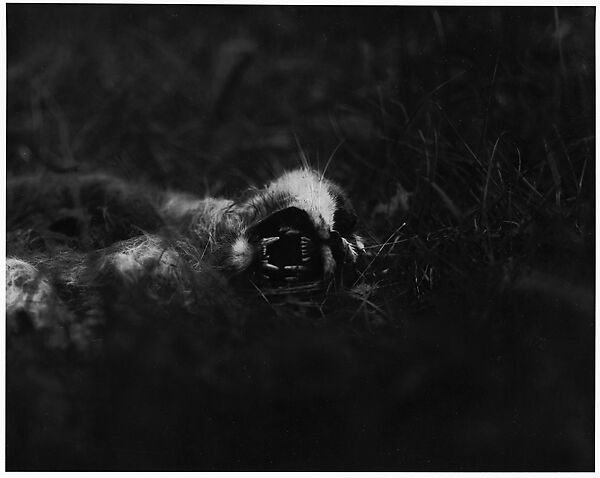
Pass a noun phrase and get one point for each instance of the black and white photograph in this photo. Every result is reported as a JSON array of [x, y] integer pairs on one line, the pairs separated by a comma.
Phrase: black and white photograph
[[300, 238]]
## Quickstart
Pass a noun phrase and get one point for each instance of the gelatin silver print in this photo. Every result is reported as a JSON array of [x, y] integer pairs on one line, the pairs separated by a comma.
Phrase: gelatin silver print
[[300, 238]]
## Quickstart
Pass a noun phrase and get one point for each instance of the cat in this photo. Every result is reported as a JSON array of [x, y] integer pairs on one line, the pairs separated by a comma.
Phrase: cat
[[69, 235]]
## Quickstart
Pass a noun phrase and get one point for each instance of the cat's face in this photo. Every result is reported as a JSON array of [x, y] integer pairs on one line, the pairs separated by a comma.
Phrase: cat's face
[[300, 231]]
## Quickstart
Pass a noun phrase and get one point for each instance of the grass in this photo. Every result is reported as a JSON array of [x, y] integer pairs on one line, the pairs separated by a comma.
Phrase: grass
[[465, 138]]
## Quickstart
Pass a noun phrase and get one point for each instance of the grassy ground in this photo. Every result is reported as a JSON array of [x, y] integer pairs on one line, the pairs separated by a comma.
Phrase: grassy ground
[[465, 138]]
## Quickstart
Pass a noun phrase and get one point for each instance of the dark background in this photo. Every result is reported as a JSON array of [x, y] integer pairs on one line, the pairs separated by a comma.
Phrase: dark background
[[465, 138]]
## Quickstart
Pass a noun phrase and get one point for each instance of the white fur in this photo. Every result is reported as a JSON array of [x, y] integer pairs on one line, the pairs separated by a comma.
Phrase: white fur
[[242, 254], [309, 192], [142, 255]]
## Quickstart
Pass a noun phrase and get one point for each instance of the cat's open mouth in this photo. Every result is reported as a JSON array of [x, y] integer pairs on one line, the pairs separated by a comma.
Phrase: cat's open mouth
[[291, 255]]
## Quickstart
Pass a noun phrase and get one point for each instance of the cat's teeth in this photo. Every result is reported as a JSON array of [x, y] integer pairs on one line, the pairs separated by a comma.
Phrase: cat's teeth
[[268, 240], [306, 246], [305, 253], [294, 268], [269, 267]]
